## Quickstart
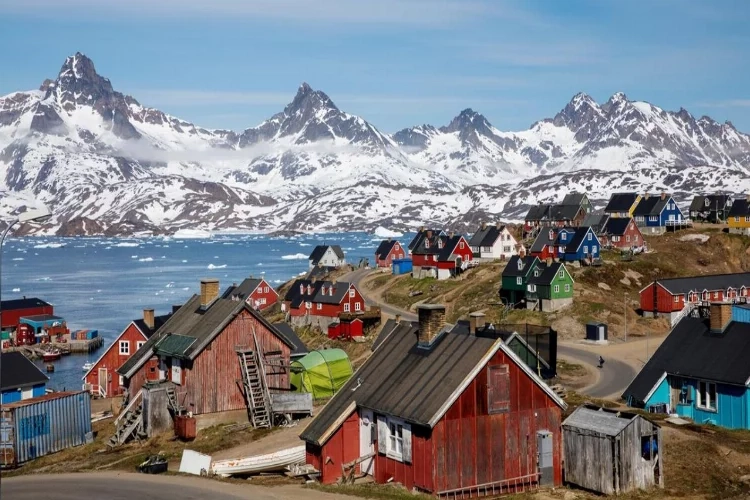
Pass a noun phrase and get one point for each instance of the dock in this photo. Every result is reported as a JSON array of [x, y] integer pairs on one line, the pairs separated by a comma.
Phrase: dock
[[71, 346]]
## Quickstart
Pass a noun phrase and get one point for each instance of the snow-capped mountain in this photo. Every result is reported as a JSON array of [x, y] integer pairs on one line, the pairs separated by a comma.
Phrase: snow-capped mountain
[[108, 165]]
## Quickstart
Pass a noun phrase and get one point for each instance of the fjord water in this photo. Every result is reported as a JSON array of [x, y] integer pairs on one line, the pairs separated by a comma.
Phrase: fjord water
[[104, 283]]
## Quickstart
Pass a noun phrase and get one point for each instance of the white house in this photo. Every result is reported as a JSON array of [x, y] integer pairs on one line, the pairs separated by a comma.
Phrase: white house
[[493, 242], [327, 256]]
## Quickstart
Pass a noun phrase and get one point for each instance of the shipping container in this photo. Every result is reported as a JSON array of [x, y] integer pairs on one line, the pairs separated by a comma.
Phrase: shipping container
[[92, 334], [401, 266], [597, 332], [36, 427]]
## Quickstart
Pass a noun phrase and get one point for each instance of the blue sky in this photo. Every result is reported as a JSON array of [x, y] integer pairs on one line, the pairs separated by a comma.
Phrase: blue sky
[[397, 63]]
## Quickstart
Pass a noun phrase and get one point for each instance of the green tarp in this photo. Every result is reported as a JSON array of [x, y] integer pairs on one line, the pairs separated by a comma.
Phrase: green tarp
[[321, 373]]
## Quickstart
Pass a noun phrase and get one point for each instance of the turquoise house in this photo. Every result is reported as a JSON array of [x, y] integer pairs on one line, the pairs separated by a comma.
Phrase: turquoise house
[[700, 371]]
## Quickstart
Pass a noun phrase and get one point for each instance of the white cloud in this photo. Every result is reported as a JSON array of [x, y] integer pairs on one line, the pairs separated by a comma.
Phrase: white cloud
[[729, 103]]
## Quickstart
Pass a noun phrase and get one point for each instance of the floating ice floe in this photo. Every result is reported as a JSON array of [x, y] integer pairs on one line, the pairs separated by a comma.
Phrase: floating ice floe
[[18, 258], [126, 244], [49, 245], [212, 266], [184, 260], [191, 234], [133, 256], [296, 256], [146, 259], [16, 289]]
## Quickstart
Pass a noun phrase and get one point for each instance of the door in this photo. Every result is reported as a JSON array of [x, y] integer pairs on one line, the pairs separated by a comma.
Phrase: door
[[102, 380], [176, 371], [367, 434], [27, 393]]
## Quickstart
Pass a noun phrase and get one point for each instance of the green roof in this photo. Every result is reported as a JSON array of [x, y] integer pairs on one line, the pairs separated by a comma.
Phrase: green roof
[[174, 345]]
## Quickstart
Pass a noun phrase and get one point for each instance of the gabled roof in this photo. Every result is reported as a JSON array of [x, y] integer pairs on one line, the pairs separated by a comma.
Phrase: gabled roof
[[385, 247], [191, 320], [692, 350], [24, 303], [710, 202], [563, 212], [574, 241], [616, 226], [709, 282], [574, 199], [158, 322], [320, 292], [300, 349], [621, 202], [653, 205], [543, 239], [402, 380], [547, 273], [487, 236], [437, 241], [245, 289], [595, 221], [320, 250], [388, 327], [574, 237], [418, 237], [18, 371], [600, 420], [449, 245], [538, 212], [511, 268], [740, 208]]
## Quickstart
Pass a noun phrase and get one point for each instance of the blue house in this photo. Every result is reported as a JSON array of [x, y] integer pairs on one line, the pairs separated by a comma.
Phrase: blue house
[[575, 244], [21, 379], [700, 371], [654, 214]]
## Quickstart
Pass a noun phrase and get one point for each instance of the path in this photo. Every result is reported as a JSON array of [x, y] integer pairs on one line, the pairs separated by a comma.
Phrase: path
[[126, 486], [612, 379]]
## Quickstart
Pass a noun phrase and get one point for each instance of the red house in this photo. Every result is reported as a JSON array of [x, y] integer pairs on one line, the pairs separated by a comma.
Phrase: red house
[[387, 251], [14, 310], [102, 379], [669, 297], [319, 303], [621, 233], [255, 291], [346, 329], [441, 412], [195, 349], [440, 256]]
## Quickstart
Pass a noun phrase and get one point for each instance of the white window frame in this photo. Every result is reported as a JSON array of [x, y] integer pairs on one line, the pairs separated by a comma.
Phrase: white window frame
[[585, 249], [519, 280], [703, 396], [308, 305], [589, 236], [176, 372], [461, 245], [139, 344], [561, 274], [124, 346], [319, 306], [627, 238], [716, 295], [676, 298], [563, 236], [121, 381], [567, 287], [346, 307], [357, 306], [557, 288], [531, 288], [352, 293]]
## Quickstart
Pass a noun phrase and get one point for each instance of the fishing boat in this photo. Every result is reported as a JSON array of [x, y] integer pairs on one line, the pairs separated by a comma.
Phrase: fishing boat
[[271, 462], [88, 365], [52, 355]]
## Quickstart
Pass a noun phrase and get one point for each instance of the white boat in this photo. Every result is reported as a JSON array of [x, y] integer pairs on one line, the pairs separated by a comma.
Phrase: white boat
[[88, 365], [277, 461]]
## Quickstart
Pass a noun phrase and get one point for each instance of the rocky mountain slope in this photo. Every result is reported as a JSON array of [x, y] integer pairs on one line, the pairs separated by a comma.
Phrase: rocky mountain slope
[[108, 165]]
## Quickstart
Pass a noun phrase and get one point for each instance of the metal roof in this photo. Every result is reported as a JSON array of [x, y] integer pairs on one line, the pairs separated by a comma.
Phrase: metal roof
[[18, 371], [599, 421], [175, 345]]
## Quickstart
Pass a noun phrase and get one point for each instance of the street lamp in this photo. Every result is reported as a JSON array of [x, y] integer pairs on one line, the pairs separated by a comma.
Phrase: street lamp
[[30, 215]]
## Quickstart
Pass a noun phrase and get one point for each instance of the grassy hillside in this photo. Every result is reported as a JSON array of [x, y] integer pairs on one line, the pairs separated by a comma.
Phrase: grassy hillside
[[607, 293]]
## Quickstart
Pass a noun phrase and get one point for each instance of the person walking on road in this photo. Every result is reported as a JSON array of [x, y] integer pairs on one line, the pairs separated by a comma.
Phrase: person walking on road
[[601, 362]]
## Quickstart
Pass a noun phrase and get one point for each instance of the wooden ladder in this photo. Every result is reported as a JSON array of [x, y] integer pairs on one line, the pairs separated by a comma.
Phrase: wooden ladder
[[129, 423], [172, 401], [256, 389]]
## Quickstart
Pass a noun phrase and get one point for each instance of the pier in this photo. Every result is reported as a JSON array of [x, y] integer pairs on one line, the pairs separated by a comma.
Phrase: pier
[[71, 346]]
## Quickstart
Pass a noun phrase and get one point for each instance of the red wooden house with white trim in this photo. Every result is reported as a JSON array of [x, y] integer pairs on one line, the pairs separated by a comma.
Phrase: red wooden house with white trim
[[420, 414], [387, 251], [320, 303], [621, 232], [102, 379], [255, 291], [668, 297], [440, 256]]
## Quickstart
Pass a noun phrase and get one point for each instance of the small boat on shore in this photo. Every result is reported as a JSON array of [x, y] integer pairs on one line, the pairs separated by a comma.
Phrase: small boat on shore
[[52, 355], [88, 365], [271, 462]]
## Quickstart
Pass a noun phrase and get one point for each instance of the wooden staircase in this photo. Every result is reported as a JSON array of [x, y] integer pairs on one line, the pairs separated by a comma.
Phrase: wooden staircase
[[176, 408], [129, 424], [256, 390]]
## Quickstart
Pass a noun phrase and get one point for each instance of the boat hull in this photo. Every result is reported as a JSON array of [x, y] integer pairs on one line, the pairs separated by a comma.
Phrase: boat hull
[[271, 462]]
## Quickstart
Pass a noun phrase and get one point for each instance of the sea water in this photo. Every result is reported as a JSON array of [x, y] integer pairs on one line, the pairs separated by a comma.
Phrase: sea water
[[104, 283]]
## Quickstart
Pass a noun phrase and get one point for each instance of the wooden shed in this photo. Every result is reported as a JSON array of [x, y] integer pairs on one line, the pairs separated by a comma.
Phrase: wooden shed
[[610, 451]]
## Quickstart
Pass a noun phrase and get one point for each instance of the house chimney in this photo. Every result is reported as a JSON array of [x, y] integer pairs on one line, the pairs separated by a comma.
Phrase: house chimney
[[175, 308], [429, 234], [148, 318], [476, 322], [721, 316], [663, 195], [209, 291], [498, 225], [645, 196], [431, 321], [484, 226], [747, 199]]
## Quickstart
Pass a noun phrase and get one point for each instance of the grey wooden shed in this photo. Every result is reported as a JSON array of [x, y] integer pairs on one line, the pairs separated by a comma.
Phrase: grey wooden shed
[[611, 452]]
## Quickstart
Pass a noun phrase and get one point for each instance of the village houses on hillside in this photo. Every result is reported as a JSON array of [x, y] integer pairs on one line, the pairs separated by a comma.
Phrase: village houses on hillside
[[492, 242]]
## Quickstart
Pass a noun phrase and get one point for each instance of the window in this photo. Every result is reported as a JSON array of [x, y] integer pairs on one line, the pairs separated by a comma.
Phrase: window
[[394, 439], [434, 258], [121, 381], [627, 238], [563, 236], [567, 288], [351, 293], [736, 219], [716, 295], [747, 219], [593, 249], [519, 281], [308, 305], [262, 300], [561, 274], [139, 344], [125, 347], [531, 288], [176, 371], [585, 249], [653, 218], [706, 397], [537, 272], [346, 307], [557, 288], [498, 389], [265, 289], [676, 298], [319, 306], [589, 236], [461, 245], [357, 306]]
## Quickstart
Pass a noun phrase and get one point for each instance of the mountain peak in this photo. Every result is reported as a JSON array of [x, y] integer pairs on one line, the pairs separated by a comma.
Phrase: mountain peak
[[467, 120], [307, 100], [78, 75], [579, 113]]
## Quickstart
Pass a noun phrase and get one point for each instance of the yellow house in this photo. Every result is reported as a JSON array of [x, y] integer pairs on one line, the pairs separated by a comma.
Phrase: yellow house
[[739, 216], [622, 204]]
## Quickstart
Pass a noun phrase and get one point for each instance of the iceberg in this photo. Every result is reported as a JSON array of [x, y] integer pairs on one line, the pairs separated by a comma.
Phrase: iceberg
[[146, 259], [191, 234], [212, 266], [385, 233], [296, 256]]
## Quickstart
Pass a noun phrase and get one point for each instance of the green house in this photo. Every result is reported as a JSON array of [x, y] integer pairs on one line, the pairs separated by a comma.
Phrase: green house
[[549, 288], [515, 278]]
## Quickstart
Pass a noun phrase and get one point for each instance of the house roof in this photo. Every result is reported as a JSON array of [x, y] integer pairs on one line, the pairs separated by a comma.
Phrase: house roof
[[418, 237], [563, 212], [385, 248], [511, 268], [300, 349], [595, 221], [538, 212], [547, 274], [653, 205], [574, 236], [319, 292], [692, 350], [388, 328], [405, 381], [17, 371], [620, 202], [600, 420], [175, 345], [158, 323], [709, 282], [543, 239], [449, 245], [244, 289], [576, 239], [191, 320], [486, 237], [715, 202], [24, 303], [740, 207], [616, 226], [574, 199], [436, 241], [320, 250]]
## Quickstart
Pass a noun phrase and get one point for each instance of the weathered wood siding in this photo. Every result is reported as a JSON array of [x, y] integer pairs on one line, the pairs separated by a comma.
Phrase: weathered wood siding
[[148, 372], [341, 448], [636, 472], [213, 383]]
